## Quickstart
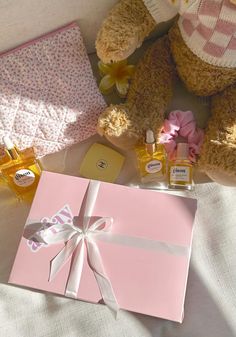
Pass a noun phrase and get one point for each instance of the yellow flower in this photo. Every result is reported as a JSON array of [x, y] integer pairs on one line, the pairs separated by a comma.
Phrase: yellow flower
[[116, 74]]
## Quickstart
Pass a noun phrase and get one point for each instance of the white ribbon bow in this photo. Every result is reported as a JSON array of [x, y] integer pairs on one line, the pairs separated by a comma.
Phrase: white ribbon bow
[[76, 241]]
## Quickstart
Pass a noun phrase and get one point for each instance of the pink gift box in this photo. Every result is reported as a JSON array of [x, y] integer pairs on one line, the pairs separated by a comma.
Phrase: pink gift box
[[145, 251]]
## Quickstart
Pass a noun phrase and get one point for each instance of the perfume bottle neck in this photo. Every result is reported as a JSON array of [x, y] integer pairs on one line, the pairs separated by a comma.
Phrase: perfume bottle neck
[[151, 148], [13, 153], [10, 148]]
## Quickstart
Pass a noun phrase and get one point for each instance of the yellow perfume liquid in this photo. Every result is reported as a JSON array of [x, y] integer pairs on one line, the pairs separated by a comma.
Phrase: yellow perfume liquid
[[181, 169], [22, 172], [152, 160], [4, 160]]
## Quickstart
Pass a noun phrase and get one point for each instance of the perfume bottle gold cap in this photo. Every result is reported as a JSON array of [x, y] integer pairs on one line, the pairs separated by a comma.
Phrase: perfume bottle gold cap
[[182, 151]]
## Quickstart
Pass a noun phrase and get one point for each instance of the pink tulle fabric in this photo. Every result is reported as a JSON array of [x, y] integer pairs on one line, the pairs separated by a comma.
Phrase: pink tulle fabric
[[181, 124]]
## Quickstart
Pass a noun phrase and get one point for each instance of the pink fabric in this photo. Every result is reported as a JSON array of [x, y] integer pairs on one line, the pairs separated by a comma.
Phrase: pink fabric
[[215, 17], [208, 27], [48, 95], [183, 124]]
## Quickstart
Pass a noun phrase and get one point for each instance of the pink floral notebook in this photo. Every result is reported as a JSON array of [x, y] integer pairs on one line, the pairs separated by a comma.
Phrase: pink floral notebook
[[48, 95]]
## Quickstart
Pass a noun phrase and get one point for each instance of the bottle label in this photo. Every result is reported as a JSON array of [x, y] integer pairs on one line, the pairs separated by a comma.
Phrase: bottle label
[[153, 166], [24, 178], [179, 173]]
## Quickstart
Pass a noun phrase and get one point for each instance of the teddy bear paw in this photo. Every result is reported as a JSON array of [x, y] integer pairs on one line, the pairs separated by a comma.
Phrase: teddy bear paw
[[108, 50], [221, 177], [115, 125], [124, 30]]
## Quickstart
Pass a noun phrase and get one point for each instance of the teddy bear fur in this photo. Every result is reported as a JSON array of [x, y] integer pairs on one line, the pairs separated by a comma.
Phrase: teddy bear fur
[[125, 28]]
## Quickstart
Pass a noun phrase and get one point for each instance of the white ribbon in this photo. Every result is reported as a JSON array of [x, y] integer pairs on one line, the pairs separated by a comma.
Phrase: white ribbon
[[76, 241]]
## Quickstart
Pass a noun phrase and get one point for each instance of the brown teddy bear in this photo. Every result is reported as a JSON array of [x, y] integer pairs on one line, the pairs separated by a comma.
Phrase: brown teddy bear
[[200, 48]]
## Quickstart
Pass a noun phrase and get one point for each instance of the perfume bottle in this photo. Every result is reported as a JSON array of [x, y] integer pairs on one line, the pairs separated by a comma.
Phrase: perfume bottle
[[22, 172], [4, 160], [152, 160], [181, 169]]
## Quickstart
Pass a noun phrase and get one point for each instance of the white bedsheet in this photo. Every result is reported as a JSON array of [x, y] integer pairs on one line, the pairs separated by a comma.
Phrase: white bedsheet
[[211, 292]]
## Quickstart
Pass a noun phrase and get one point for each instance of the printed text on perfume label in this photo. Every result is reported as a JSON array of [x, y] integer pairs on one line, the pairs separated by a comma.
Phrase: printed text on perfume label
[[24, 178], [179, 173], [153, 166]]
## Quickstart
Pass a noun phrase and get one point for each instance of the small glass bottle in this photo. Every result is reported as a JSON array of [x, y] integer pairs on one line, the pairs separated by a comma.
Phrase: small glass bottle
[[181, 169], [152, 161], [22, 172], [4, 160]]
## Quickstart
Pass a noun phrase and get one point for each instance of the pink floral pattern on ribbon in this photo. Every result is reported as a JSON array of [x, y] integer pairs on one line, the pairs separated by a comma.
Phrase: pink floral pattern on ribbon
[[182, 124]]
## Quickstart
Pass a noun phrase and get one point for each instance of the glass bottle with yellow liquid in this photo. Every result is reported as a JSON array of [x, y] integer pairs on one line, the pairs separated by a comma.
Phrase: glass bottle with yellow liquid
[[181, 169], [22, 172], [4, 160], [152, 161]]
